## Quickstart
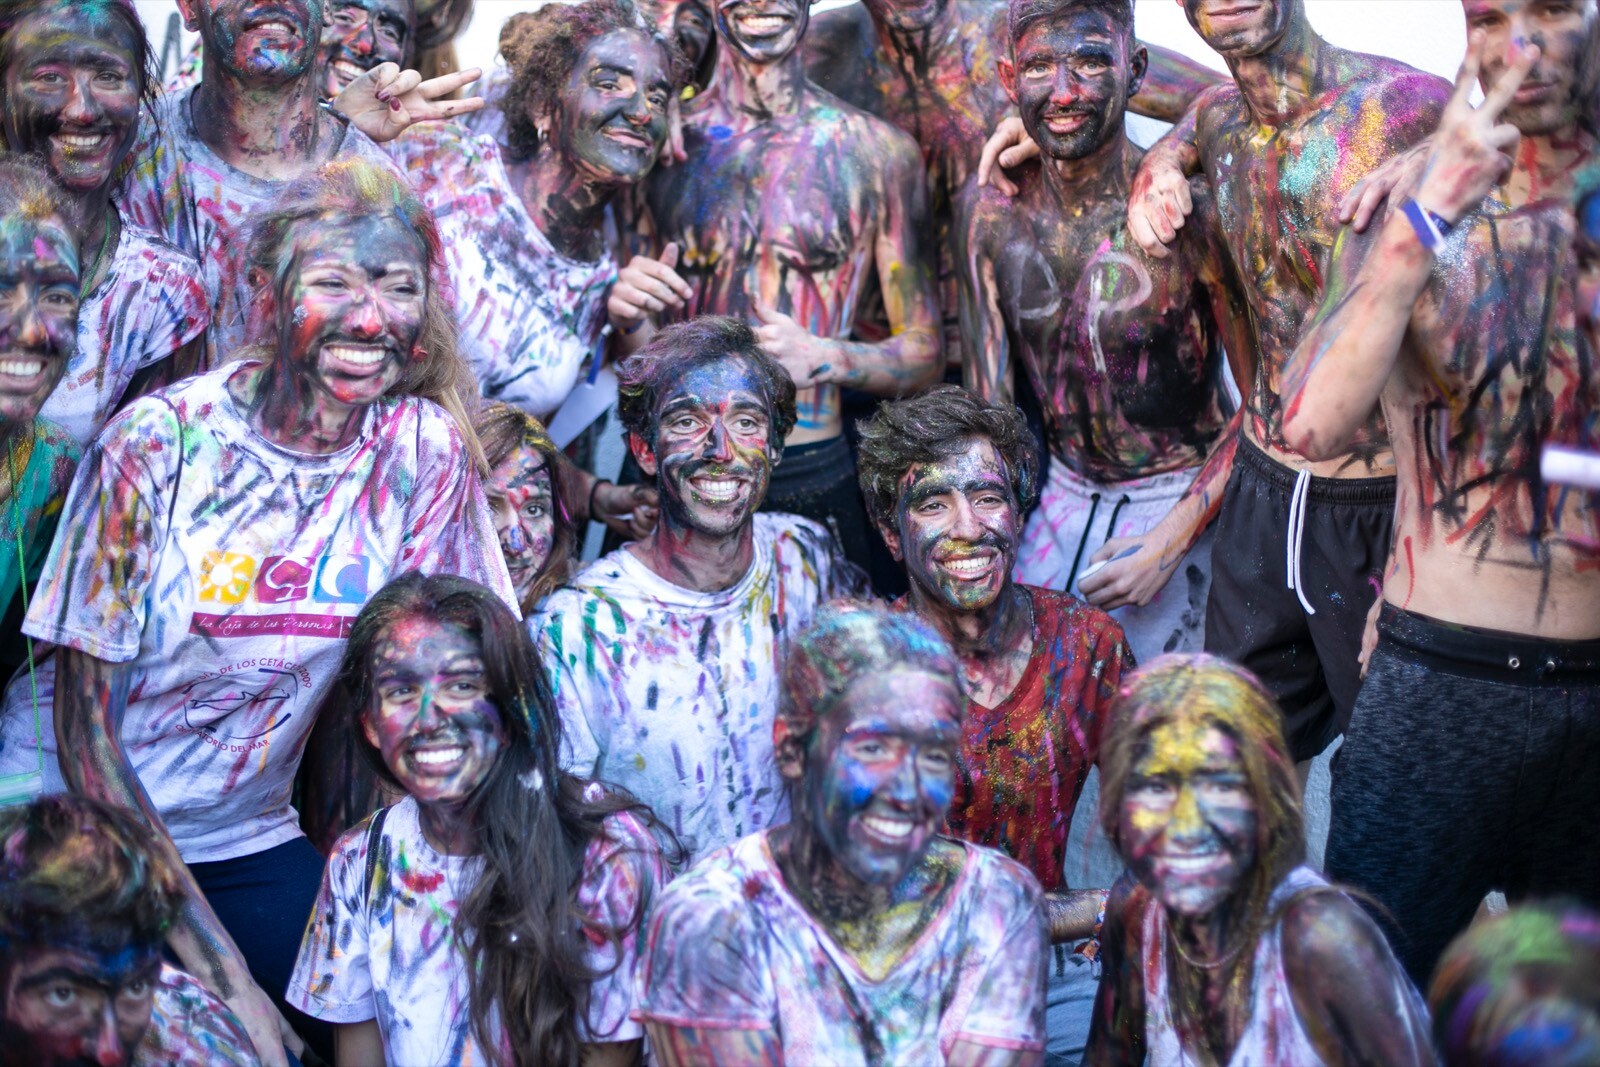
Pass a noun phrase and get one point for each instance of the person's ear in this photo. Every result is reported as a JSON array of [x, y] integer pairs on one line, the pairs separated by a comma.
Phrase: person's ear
[[643, 454], [1138, 66], [788, 750], [1008, 77], [891, 537], [370, 731]]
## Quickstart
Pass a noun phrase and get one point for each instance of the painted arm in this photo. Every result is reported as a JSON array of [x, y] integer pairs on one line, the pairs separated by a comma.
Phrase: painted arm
[[1171, 83], [1071, 914], [909, 359], [683, 1046], [1352, 996], [1159, 201], [358, 1044], [630, 510], [1347, 353], [985, 347], [1116, 1030], [91, 699]]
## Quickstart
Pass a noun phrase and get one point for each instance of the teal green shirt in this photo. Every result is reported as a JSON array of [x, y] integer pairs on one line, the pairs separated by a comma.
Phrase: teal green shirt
[[31, 508]]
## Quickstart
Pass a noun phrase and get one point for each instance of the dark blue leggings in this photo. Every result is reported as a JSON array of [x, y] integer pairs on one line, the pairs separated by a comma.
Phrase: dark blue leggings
[[264, 901]]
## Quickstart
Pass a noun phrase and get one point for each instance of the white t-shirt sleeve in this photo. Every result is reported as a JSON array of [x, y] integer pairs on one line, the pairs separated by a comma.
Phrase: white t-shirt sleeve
[[332, 979], [448, 526], [622, 873], [178, 307], [704, 961], [92, 590], [1007, 937]]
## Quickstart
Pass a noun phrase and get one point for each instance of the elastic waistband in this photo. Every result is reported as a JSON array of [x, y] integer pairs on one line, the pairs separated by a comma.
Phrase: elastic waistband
[[825, 462], [1323, 490], [1512, 659], [1168, 486]]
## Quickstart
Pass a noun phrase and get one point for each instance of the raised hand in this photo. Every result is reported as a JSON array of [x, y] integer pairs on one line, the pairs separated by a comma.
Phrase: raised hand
[[629, 510], [646, 287], [1402, 171], [1472, 149], [806, 357], [1158, 203], [1008, 146], [386, 101]]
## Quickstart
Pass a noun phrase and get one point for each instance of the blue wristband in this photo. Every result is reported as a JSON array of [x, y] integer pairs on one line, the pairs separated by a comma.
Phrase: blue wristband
[[1430, 228]]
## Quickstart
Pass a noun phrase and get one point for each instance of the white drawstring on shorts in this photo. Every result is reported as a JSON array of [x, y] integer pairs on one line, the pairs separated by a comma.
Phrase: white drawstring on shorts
[[1297, 534]]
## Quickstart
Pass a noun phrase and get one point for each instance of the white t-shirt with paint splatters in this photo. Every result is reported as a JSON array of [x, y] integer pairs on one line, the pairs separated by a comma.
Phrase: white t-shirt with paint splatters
[[150, 304], [226, 572], [179, 188], [729, 947], [388, 951], [529, 316], [671, 693]]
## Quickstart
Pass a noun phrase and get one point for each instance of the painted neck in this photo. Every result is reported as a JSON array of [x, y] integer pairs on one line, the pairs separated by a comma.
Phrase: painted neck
[[1211, 937], [266, 129], [822, 885], [101, 230], [913, 48], [292, 412], [448, 828], [694, 560], [765, 90], [1547, 165], [568, 208], [983, 636], [1105, 173], [1285, 81]]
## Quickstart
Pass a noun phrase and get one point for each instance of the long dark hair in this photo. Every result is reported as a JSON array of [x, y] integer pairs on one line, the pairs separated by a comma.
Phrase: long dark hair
[[121, 12], [525, 941]]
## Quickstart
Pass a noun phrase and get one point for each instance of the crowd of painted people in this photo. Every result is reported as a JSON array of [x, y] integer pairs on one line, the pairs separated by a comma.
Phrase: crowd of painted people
[[322, 743]]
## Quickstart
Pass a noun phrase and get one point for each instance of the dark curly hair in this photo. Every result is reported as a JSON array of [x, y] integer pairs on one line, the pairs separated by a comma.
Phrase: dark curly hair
[[541, 47], [680, 348], [1024, 13], [79, 873], [935, 426]]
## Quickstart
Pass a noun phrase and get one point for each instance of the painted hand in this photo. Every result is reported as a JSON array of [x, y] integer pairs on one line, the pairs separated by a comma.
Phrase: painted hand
[[385, 101], [1008, 146], [1401, 172], [1158, 203], [269, 1031], [808, 359], [1472, 149], [647, 287], [1137, 570], [1369, 634], [629, 510]]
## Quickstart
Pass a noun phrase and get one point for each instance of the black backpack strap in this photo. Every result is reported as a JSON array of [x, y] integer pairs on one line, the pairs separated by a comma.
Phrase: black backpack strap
[[374, 842]]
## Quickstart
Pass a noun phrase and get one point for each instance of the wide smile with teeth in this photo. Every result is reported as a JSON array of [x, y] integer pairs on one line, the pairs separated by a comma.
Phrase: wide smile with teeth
[[357, 355], [346, 70], [1199, 863], [438, 757], [627, 137], [21, 368], [968, 566], [273, 28], [893, 829], [81, 140], [716, 490], [763, 25]]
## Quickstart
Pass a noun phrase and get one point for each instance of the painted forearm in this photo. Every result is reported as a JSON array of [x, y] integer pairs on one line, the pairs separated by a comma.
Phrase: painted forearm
[[1178, 147], [1170, 85], [1072, 914], [1195, 510], [903, 364], [91, 697], [1338, 371]]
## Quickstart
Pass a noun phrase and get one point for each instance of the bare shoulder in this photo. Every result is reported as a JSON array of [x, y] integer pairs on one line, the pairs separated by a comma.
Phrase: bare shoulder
[[1327, 933], [1403, 97]]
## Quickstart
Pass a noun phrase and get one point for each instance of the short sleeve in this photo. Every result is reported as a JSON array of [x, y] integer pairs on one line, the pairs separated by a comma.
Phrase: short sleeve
[[1007, 992], [332, 979], [448, 526], [623, 871], [581, 745], [92, 589], [177, 303], [704, 961]]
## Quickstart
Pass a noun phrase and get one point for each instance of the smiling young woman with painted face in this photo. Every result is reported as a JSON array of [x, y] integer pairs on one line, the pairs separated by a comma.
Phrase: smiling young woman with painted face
[[586, 115], [492, 915], [222, 535], [854, 934], [1221, 946]]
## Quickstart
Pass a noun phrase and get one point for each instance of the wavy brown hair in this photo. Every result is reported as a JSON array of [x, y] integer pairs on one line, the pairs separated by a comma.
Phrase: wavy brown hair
[[502, 429], [526, 941], [356, 189]]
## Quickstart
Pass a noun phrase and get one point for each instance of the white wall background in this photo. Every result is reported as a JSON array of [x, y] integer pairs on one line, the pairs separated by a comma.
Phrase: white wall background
[[1429, 34]]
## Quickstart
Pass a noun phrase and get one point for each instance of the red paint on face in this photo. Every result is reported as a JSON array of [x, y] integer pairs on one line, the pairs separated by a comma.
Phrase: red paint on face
[[361, 34], [65, 1007], [958, 527], [1549, 96], [38, 312]]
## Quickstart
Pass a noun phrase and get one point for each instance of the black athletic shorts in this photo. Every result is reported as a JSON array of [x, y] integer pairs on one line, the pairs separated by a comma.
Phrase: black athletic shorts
[[1309, 659], [1472, 764]]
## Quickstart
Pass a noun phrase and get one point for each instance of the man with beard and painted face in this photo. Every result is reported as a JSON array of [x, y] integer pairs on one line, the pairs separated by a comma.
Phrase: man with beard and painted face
[[1300, 125], [1221, 945], [856, 933], [788, 206], [219, 538], [1125, 351], [73, 76], [40, 279], [930, 68], [211, 158], [1457, 318], [85, 902], [665, 654], [947, 477]]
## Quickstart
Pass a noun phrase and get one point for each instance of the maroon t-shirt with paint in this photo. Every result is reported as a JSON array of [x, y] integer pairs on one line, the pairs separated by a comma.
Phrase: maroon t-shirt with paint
[[1023, 763]]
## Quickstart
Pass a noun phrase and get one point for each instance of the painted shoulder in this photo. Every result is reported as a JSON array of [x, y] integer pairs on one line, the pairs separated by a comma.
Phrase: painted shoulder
[[1000, 881], [852, 121]]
